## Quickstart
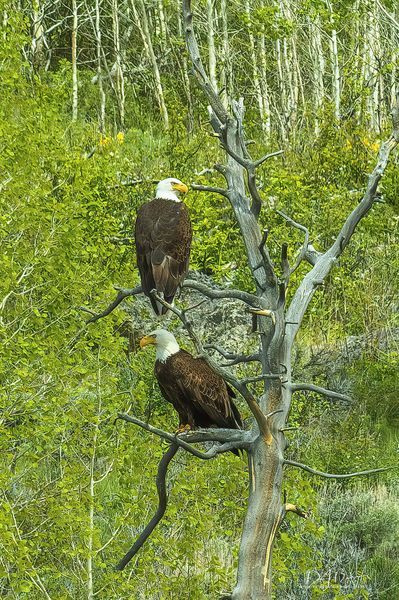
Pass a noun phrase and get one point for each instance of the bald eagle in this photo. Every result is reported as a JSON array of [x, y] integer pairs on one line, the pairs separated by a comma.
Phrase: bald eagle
[[199, 395], [163, 238]]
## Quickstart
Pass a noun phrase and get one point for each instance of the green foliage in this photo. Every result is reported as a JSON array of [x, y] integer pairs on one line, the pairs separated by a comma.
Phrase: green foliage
[[77, 488]]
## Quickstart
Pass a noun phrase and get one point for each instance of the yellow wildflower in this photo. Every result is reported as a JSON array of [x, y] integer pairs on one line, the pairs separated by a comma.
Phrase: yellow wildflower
[[104, 140], [120, 137]]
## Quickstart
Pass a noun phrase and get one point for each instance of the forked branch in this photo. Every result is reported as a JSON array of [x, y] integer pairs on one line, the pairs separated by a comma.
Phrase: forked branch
[[122, 294]]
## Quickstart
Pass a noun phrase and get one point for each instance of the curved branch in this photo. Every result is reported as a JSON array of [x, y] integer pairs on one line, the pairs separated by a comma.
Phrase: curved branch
[[207, 188], [293, 463], [305, 245], [231, 356], [162, 504], [216, 294], [310, 387], [122, 294]]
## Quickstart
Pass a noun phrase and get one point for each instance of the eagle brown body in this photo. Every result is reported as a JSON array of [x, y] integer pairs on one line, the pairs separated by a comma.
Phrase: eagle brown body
[[163, 239], [199, 395]]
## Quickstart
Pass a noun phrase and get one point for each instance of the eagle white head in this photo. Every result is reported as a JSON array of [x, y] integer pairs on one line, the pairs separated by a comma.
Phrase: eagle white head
[[170, 189], [164, 341]]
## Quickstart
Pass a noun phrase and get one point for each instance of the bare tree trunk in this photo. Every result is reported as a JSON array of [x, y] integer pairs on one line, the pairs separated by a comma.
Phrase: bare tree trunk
[[99, 69], [284, 110], [226, 74], [74, 61], [162, 23], [210, 13], [186, 79], [264, 85], [335, 74], [37, 45], [142, 24], [119, 76], [255, 71], [317, 55]]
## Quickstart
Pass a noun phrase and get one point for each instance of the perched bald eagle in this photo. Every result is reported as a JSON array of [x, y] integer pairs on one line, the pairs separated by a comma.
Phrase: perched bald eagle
[[200, 396], [163, 238]]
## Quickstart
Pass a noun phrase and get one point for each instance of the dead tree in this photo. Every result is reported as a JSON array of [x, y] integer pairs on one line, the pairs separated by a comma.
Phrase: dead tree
[[278, 324]]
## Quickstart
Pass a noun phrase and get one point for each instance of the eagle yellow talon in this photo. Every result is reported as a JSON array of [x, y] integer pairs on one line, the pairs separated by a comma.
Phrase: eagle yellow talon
[[183, 429]]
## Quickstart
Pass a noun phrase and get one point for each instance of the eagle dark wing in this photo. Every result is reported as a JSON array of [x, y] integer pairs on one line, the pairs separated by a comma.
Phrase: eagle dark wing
[[205, 393], [163, 238]]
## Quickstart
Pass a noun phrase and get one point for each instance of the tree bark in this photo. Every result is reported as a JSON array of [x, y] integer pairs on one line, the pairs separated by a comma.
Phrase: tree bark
[[74, 61], [99, 69], [119, 76], [142, 24]]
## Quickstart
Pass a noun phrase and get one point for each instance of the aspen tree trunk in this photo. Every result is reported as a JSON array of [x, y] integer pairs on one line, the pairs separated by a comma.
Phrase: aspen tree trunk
[[336, 86], [99, 69], [255, 72], [210, 11], [37, 45], [142, 24], [318, 62], [374, 82], [90, 546], [264, 85], [74, 61], [289, 79], [283, 112], [186, 79], [226, 74], [162, 23], [394, 90], [119, 79]]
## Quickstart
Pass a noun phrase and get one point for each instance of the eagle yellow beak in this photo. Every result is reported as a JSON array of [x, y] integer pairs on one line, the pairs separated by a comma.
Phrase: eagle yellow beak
[[147, 340], [181, 187]]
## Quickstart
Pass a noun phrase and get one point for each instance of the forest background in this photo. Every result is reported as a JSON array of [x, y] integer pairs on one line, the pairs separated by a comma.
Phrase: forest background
[[97, 103]]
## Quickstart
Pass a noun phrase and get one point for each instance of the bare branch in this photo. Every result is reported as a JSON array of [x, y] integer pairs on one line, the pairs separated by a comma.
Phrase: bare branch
[[295, 387], [293, 463], [304, 249], [207, 188], [325, 262], [236, 439], [162, 504], [122, 294], [216, 294], [261, 377], [234, 358], [260, 161]]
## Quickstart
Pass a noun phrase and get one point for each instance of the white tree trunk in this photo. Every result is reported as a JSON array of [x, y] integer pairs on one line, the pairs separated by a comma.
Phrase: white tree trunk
[[335, 74], [318, 62], [99, 69], [142, 24], [74, 61], [255, 69], [37, 45], [210, 10], [226, 72], [119, 77]]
